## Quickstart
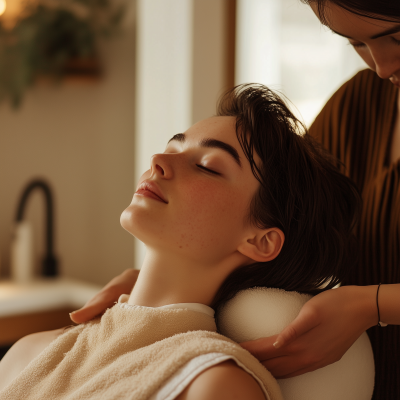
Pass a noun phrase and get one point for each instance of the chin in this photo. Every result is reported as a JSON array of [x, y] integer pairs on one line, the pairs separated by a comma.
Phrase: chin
[[138, 222], [131, 221], [126, 219]]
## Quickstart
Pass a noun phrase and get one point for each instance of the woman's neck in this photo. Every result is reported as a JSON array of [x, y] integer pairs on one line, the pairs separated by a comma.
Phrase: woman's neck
[[165, 279]]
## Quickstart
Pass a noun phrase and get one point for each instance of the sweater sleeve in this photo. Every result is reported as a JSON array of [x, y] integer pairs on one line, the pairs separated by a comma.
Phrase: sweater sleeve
[[350, 121]]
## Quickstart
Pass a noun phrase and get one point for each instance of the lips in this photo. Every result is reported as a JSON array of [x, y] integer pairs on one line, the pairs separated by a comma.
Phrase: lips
[[150, 189]]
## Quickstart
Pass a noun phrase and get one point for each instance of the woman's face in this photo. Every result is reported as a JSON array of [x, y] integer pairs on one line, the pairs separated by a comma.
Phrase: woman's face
[[377, 42], [204, 187]]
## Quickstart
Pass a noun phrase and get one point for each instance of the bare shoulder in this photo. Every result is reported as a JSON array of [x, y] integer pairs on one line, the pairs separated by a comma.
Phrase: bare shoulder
[[23, 352], [225, 381]]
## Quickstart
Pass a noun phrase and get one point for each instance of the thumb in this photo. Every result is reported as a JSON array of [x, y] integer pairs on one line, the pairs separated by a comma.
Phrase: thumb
[[302, 324], [89, 311]]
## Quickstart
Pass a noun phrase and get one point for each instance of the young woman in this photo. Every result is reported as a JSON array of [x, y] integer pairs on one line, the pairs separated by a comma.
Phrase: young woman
[[361, 126], [239, 200]]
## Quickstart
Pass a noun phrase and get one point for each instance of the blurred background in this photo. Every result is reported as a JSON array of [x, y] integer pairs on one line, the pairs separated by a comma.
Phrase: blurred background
[[90, 89]]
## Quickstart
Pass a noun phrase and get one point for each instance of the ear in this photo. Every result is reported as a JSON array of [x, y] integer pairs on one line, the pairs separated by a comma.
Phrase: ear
[[264, 246]]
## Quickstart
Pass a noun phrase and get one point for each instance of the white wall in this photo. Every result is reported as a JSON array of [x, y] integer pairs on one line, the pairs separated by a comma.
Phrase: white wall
[[181, 68], [210, 56], [80, 137]]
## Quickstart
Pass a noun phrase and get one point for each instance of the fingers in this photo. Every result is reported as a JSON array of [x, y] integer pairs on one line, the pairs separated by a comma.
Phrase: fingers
[[296, 364], [288, 335], [94, 307], [263, 349], [283, 354], [300, 371], [85, 314], [122, 284], [283, 362], [288, 366], [303, 323]]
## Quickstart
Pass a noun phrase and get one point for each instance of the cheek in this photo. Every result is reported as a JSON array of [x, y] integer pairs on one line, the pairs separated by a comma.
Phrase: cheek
[[365, 54], [211, 214], [210, 200]]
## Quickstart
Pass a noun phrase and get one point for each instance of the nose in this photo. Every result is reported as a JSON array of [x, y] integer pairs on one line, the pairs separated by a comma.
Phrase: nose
[[161, 166], [387, 64]]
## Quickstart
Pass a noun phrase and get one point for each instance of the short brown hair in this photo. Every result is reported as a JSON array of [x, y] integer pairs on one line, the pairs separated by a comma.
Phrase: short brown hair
[[381, 10], [301, 192]]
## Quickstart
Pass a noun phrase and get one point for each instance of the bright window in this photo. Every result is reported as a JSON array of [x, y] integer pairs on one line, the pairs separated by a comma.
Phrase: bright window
[[281, 44]]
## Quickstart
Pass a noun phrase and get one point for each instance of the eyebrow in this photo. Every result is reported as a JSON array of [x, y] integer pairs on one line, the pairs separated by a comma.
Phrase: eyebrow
[[389, 31], [212, 143]]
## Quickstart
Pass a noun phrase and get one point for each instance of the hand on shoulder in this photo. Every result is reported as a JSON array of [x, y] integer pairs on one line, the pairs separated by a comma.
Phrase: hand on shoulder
[[122, 284], [23, 352], [324, 330], [225, 381]]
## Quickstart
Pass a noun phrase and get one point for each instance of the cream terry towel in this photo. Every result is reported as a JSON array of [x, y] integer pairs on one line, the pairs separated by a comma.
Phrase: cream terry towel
[[128, 353]]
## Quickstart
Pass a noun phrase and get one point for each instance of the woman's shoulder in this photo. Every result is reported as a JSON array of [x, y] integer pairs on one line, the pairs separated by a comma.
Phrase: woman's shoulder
[[23, 352], [362, 82], [363, 76], [353, 112], [223, 381]]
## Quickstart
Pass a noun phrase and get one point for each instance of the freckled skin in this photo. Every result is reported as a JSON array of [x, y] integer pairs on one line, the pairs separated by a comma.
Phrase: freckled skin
[[205, 213]]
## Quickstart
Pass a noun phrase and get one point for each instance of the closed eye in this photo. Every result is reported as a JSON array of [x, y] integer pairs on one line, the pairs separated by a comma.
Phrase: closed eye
[[395, 40], [207, 169]]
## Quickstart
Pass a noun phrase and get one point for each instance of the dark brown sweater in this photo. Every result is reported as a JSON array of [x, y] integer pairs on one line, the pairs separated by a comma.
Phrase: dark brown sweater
[[356, 126]]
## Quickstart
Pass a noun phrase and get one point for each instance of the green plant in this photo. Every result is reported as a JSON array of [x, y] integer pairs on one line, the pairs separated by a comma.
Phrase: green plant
[[48, 36]]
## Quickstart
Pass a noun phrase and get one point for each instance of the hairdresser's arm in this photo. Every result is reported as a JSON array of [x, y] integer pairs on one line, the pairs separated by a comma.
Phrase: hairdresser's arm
[[325, 328], [224, 381], [122, 284]]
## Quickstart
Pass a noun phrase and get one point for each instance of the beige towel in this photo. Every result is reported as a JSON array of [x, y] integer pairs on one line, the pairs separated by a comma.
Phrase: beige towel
[[127, 354]]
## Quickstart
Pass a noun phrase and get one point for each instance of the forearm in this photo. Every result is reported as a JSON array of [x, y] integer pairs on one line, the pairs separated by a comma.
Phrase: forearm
[[389, 303], [388, 300]]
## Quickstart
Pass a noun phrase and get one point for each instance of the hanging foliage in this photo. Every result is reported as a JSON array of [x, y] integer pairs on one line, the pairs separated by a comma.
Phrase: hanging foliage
[[52, 38]]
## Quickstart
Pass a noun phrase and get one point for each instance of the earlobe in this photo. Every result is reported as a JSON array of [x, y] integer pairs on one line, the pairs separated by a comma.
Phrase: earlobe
[[264, 246]]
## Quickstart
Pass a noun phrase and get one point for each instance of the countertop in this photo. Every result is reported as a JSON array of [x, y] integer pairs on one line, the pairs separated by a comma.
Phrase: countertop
[[43, 294]]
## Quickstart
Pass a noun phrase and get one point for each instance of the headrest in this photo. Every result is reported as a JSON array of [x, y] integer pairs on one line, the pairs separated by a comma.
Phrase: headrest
[[259, 312], [263, 312]]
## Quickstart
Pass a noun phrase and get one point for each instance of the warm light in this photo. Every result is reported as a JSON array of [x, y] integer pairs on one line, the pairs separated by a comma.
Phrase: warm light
[[2, 6], [10, 11]]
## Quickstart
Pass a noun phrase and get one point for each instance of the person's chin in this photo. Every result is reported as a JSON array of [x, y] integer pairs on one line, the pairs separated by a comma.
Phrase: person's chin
[[125, 218], [129, 219], [138, 221]]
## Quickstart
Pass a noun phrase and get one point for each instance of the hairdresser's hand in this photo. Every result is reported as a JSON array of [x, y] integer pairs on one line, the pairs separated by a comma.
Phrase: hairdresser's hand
[[122, 284], [324, 330]]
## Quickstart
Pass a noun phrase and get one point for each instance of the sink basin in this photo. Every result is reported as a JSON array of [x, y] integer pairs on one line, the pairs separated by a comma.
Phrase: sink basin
[[43, 294]]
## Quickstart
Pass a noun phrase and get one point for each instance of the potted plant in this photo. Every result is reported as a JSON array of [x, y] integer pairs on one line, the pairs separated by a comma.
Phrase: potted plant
[[53, 38]]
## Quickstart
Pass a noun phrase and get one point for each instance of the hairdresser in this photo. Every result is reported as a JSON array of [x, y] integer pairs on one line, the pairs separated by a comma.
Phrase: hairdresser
[[360, 125]]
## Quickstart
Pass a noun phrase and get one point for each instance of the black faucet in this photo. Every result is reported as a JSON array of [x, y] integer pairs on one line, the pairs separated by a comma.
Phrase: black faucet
[[49, 262]]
